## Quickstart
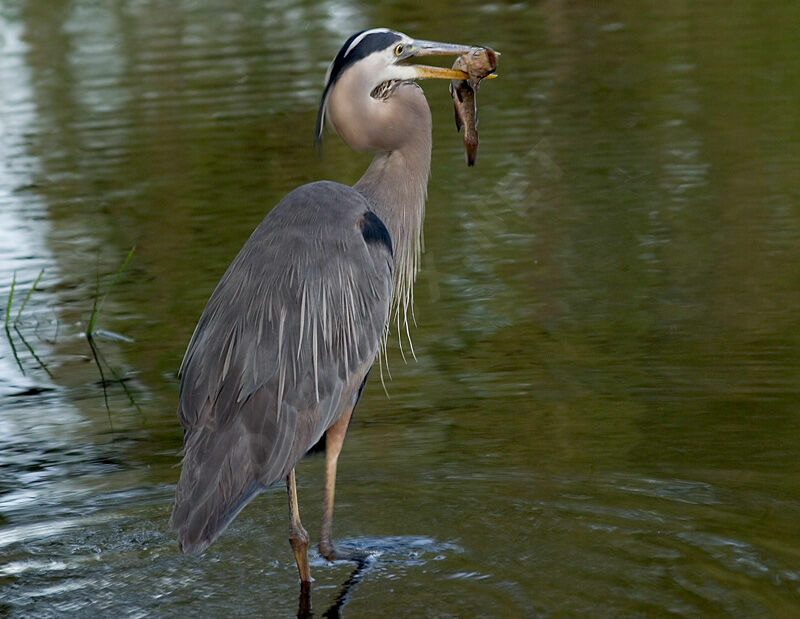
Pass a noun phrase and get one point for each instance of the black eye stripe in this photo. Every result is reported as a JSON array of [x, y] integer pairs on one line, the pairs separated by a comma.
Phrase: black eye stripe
[[373, 42]]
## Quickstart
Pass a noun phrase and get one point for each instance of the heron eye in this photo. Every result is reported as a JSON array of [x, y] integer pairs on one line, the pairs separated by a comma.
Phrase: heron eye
[[398, 51]]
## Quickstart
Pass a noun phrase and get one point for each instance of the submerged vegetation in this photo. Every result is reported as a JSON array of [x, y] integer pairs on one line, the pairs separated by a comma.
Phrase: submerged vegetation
[[99, 302], [91, 331], [91, 334], [14, 325]]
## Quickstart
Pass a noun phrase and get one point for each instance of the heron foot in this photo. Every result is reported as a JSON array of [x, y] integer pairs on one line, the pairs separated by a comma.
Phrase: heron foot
[[334, 552]]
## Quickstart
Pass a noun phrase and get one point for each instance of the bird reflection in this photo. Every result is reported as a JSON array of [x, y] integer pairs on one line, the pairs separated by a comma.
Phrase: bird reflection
[[304, 604], [335, 611]]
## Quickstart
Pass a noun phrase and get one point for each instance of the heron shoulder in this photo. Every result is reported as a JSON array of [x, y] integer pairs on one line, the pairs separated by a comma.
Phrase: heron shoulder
[[326, 208], [321, 200], [374, 231]]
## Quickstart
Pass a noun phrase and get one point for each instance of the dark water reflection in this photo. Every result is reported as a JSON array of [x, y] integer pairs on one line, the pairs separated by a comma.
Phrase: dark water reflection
[[603, 417]]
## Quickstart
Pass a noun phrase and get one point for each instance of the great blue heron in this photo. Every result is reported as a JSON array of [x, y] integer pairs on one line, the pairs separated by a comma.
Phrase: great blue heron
[[283, 347]]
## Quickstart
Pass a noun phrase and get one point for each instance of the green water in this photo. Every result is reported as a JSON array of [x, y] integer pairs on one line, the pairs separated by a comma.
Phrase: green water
[[604, 415]]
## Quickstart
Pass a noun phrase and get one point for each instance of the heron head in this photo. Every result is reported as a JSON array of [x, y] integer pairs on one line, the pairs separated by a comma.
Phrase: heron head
[[381, 58]]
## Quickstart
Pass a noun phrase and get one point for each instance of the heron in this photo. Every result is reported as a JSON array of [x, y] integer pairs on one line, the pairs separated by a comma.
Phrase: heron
[[281, 352]]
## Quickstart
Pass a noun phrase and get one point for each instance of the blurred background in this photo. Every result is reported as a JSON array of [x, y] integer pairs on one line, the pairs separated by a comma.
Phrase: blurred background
[[604, 415]]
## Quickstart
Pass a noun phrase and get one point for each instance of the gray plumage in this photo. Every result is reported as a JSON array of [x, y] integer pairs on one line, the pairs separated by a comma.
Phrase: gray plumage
[[282, 350], [260, 385]]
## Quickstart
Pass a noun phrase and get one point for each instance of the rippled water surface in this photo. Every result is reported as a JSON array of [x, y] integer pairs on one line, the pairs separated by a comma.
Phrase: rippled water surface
[[604, 415]]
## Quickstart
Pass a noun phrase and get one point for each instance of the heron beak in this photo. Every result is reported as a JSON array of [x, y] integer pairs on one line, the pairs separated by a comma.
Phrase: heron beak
[[424, 71], [432, 48]]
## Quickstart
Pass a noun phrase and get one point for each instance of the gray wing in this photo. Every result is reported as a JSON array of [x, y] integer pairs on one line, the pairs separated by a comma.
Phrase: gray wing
[[280, 351]]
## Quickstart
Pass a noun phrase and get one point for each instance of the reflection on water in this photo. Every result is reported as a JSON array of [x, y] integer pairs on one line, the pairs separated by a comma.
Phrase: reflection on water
[[603, 416]]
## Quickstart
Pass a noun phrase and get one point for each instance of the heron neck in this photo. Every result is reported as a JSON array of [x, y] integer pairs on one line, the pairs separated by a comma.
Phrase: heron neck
[[396, 185]]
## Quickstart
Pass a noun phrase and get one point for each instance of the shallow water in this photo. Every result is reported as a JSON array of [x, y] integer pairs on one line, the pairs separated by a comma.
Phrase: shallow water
[[602, 418]]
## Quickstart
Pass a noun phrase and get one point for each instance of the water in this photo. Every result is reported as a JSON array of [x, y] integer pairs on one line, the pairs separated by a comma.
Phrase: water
[[602, 419]]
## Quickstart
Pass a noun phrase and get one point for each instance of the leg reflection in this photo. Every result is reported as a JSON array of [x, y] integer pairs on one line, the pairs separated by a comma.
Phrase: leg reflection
[[304, 605], [363, 566]]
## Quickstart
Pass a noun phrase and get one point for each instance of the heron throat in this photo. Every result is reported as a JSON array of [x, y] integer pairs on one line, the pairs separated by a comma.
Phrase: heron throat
[[396, 185]]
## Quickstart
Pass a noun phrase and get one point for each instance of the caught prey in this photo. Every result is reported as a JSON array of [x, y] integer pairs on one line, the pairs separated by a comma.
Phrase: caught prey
[[478, 63]]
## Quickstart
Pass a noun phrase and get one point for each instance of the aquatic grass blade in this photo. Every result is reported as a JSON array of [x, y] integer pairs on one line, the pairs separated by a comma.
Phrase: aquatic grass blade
[[10, 297], [100, 358], [102, 378], [30, 350], [99, 306], [25, 300], [14, 351]]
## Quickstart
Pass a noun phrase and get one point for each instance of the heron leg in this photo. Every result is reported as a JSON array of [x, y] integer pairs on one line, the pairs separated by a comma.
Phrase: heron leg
[[298, 536], [334, 438]]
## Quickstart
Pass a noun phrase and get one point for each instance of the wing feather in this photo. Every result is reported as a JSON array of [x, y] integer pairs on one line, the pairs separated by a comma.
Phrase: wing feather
[[278, 354]]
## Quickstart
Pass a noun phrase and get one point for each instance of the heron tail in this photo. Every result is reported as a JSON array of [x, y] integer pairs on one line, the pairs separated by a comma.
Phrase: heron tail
[[215, 484]]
